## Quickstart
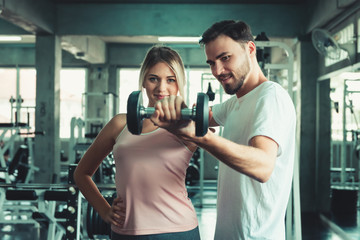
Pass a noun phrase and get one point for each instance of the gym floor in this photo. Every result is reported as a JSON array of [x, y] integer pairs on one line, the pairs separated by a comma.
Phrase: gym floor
[[313, 227]]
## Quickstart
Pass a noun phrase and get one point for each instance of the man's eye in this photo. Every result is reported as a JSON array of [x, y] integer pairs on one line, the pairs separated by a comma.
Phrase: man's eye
[[225, 58]]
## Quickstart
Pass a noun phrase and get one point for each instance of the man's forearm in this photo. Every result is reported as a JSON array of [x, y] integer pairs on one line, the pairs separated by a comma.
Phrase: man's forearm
[[251, 161]]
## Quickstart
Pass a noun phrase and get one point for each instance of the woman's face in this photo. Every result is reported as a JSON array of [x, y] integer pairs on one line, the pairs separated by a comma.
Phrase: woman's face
[[160, 82]]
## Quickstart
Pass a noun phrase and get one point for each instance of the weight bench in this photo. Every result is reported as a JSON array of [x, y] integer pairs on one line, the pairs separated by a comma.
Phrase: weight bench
[[20, 195], [44, 213], [14, 211]]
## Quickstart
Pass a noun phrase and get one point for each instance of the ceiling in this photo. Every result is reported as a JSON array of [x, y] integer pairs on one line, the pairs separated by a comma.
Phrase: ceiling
[[20, 14], [183, 1]]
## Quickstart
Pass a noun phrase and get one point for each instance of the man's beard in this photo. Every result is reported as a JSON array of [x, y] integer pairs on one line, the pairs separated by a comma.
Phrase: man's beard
[[239, 79], [233, 89]]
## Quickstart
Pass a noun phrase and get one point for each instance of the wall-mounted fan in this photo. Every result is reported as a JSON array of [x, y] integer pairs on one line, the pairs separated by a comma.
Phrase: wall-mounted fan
[[325, 44]]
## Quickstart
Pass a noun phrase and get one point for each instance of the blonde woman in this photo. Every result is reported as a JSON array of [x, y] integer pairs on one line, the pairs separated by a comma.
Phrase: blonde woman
[[152, 201]]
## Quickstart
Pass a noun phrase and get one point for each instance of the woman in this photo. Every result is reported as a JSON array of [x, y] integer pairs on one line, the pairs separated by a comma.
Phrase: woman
[[152, 200]]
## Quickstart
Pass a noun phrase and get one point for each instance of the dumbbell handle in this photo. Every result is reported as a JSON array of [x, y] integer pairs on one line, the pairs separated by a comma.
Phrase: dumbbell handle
[[186, 113]]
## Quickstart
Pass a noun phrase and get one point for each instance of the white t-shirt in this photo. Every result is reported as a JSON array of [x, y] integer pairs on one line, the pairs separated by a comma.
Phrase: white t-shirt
[[246, 208]]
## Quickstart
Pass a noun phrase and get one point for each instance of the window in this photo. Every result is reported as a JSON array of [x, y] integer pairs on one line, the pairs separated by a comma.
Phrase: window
[[129, 82], [26, 98], [72, 86], [27, 91], [345, 109], [7, 91]]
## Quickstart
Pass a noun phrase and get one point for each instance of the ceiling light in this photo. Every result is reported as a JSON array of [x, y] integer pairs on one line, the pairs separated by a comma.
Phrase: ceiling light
[[179, 39], [10, 38]]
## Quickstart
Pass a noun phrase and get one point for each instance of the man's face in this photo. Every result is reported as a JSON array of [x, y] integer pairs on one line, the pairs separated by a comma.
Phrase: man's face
[[229, 62]]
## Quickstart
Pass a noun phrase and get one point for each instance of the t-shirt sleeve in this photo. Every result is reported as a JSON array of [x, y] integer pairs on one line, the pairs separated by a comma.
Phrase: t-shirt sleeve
[[274, 115], [220, 111]]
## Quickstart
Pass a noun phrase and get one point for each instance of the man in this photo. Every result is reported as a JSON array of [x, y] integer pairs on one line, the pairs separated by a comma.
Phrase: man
[[256, 151]]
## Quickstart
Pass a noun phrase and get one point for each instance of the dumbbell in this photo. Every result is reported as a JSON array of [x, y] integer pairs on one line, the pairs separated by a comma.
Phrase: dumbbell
[[136, 112]]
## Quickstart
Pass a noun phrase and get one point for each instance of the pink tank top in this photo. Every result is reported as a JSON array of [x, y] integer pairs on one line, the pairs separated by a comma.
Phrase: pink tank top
[[150, 178]]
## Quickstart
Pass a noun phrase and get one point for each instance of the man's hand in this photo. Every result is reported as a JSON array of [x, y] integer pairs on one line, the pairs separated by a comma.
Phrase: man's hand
[[168, 115]]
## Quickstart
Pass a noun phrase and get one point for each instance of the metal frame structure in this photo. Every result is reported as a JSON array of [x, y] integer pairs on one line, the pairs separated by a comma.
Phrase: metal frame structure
[[345, 175], [108, 99]]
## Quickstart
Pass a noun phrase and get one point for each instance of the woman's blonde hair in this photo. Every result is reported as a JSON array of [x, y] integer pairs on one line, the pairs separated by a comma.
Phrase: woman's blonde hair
[[168, 56]]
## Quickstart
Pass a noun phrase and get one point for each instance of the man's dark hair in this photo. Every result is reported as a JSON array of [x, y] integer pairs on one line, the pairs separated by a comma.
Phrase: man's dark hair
[[237, 30]]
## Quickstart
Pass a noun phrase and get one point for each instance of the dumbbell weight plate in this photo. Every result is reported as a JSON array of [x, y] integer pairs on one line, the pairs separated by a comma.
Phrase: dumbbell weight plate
[[202, 114], [133, 117], [89, 221]]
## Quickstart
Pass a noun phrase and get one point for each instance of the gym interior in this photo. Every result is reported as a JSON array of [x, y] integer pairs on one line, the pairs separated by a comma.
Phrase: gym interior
[[68, 66]]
